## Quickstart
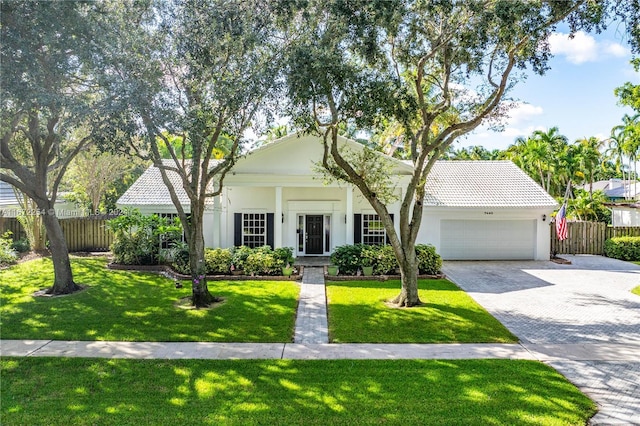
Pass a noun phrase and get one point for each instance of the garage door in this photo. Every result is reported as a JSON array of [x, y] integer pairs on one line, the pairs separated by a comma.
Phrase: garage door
[[487, 239]]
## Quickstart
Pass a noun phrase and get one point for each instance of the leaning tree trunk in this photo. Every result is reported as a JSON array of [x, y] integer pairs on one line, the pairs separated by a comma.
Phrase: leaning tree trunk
[[63, 282], [408, 296], [200, 295]]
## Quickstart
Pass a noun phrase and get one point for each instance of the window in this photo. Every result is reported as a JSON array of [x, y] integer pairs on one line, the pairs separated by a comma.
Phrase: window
[[254, 229], [168, 240], [373, 232]]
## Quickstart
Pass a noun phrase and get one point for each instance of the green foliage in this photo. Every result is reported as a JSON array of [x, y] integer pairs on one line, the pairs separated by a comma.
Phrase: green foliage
[[623, 248], [350, 258], [385, 261], [239, 257], [8, 254], [21, 246], [179, 255], [137, 237], [429, 262], [347, 258], [585, 206], [261, 263], [629, 93], [283, 256], [217, 261]]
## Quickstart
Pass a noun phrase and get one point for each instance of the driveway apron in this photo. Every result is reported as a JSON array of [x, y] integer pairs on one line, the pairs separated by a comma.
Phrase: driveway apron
[[586, 305]]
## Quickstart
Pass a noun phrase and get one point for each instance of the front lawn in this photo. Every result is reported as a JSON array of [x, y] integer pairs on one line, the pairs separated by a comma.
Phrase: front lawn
[[80, 391], [133, 306], [358, 313]]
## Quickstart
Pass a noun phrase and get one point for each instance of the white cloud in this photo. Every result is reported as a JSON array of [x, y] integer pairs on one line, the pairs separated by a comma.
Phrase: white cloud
[[584, 48], [615, 49], [522, 113]]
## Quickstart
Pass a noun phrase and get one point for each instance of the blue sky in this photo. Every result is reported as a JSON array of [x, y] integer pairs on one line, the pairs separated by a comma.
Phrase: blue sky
[[576, 94]]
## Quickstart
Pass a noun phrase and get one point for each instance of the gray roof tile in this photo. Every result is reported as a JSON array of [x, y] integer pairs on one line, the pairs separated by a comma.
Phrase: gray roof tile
[[483, 184], [149, 189]]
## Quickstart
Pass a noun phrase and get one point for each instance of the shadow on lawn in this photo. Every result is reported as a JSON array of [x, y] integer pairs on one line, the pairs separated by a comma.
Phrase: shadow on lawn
[[288, 392], [358, 314], [140, 306]]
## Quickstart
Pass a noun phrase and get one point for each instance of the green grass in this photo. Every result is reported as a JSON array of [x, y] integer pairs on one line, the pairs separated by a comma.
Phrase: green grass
[[140, 307], [357, 313], [80, 391]]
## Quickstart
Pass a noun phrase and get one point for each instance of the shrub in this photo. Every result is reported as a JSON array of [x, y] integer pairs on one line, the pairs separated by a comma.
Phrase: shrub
[[623, 248], [7, 254], [429, 262], [385, 261], [239, 257], [283, 256], [178, 255], [347, 258], [217, 261], [137, 237], [261, 262], [21, 246]]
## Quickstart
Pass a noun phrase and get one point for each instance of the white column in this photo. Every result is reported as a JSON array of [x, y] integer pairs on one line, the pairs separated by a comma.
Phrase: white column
[[277, 240], [217, 212], [224, 219], [349, 227]]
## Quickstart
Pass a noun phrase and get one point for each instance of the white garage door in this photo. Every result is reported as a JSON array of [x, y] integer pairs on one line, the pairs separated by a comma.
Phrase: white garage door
[[487, 239]]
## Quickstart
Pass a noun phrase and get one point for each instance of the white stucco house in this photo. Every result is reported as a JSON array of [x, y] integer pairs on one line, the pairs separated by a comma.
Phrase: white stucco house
[[474, 210]]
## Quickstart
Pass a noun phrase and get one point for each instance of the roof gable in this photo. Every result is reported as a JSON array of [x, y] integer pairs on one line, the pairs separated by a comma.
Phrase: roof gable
[[296, 155], [484, 184]]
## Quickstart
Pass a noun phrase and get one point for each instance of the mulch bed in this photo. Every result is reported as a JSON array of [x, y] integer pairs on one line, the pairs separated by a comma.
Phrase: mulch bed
[[170, 273]]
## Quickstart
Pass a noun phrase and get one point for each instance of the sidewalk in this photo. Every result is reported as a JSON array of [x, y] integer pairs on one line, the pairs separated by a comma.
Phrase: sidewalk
[[211, 350]]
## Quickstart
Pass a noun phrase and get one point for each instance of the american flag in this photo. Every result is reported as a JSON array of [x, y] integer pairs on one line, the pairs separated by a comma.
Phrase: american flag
[[561, 223]]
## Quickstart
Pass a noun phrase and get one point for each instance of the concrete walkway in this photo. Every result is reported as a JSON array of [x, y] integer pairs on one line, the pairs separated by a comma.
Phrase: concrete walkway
[[311, 320]]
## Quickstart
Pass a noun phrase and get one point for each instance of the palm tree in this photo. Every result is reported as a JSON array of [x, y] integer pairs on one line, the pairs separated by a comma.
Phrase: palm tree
[[628, 134], [556, 143], [590, 157]]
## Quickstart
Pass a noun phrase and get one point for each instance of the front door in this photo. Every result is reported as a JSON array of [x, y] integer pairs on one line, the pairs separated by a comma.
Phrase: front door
[[314, 230]]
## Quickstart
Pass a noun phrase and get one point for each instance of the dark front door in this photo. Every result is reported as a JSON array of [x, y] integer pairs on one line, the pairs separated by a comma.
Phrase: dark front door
[[314, 234]]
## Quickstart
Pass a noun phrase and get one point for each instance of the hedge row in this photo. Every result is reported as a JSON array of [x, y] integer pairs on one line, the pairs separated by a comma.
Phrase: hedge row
[[623, 248], [351, 258], [257, 261]]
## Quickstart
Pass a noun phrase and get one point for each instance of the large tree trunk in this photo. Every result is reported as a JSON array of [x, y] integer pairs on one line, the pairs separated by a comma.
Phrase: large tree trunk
[[63, 282], [200, 295], [408, 296]]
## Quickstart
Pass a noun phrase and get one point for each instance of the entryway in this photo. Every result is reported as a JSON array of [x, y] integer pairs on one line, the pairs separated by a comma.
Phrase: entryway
[[313, 234], [314, 231]]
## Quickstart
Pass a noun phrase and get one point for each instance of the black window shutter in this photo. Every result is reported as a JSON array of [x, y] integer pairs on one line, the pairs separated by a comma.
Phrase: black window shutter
[[237, 229], [270, 229], [357, 228], [387, 236]]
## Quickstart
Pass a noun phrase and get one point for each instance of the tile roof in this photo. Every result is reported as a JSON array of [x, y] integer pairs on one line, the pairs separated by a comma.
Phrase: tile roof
[[149, 189], [483, 184]]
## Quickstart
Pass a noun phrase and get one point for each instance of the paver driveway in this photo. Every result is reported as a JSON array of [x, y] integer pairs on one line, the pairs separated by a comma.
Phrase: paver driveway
[[587, 302]]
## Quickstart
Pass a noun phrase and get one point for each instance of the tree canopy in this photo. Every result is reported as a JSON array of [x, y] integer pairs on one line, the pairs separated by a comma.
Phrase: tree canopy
[[434, 70], [189, 80]]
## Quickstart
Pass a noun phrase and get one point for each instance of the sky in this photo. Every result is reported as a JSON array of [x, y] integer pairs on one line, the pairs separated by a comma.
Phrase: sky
[[576, 94]]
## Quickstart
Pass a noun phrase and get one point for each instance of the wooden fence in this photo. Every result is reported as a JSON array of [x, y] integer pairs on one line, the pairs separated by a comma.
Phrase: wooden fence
[[588, 237], [82, 233]]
